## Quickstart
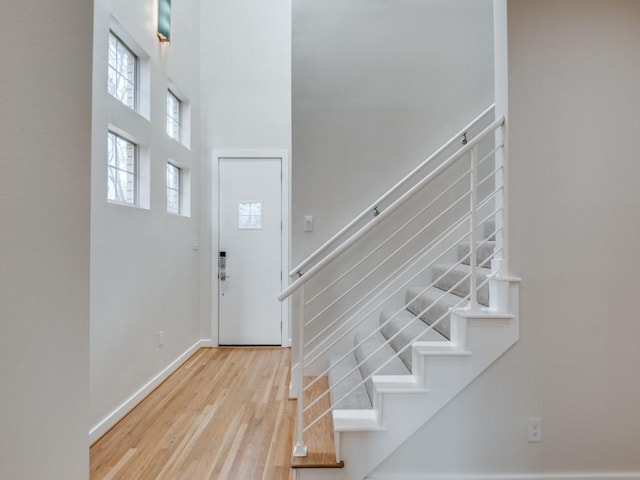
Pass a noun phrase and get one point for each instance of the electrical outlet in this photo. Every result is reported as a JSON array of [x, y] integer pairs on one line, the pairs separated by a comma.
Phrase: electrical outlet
[[534, 433], [161, 338]]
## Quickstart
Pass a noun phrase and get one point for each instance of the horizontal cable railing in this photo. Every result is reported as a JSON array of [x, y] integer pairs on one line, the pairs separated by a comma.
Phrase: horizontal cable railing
[[309, 361], [414, 260], [431, 326], [336, 252], [421, 211], [445, 208], [374, 208]]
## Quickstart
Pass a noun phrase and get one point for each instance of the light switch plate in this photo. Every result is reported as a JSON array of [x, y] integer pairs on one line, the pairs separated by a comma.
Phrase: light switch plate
[[308, 223]]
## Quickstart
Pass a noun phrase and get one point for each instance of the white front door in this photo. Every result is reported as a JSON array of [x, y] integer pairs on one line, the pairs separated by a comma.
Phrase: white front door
[[250, 240]]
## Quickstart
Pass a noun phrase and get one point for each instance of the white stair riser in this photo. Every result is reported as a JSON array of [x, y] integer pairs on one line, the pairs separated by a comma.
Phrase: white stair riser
[[443, 376]]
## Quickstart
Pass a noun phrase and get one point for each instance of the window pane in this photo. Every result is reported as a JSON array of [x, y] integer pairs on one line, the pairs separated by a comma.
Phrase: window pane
[[174, 189], [173, 116], [111, 150], [173, 201], [173, 176], [121, 75], [245, 209], [120, 186], [121, 169], [250, 216], [245, 221]]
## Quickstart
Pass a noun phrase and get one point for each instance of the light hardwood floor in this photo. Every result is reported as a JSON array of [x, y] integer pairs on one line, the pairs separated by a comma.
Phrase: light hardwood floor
[[223, 414]]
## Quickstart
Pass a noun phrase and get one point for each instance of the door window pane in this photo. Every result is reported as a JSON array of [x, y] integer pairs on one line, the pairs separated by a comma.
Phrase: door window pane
[[250, 216]]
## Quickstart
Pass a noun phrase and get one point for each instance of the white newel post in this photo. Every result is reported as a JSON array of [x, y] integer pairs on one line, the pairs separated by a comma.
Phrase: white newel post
[[300, 449], [502, 203], [499, 288]]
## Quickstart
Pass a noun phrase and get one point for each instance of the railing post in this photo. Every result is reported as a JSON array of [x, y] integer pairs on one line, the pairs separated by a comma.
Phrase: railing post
[[502, 199], [473, 303], [300, 449]]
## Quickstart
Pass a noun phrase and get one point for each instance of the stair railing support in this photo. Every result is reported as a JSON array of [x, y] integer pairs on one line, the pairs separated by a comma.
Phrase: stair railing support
[[473, 303], [502, 199], [300, 449]]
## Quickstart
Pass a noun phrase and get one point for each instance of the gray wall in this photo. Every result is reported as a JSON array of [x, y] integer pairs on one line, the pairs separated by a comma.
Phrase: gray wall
[[45, 133], [377, 87], [574, 71]]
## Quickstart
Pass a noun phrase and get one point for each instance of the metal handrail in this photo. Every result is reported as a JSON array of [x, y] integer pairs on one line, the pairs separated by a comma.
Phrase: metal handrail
[[336, 252], [374, 207]]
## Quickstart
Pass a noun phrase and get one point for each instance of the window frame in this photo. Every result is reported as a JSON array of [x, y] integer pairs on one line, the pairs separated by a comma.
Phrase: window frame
[[178, 190], [136, 72], [135, 173], [175, 122]]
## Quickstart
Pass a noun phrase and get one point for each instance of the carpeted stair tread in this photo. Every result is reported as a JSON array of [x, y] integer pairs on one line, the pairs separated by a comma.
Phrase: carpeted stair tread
[[456, 276], [483, 252], [356, 399], [437, 307], [394, 367], [416, 330]]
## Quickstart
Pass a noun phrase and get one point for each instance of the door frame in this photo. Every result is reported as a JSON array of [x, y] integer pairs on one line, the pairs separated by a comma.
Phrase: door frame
[[285, 254]]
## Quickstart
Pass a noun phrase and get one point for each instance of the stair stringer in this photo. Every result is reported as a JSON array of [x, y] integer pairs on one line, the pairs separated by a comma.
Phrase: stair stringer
[[403, 404]]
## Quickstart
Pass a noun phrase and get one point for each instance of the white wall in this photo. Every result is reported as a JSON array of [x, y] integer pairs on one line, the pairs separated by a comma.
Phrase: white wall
[[144, 272], [377, 87], [573, 79], [246, 97], [45, 93]]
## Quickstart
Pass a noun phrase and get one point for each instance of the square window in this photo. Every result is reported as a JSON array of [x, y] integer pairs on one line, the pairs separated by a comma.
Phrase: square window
[[122, 170], [174, 115], [174, 189], [250, 216], [122, 81]]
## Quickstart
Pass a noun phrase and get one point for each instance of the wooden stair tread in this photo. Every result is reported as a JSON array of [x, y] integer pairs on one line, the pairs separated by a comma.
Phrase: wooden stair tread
[[319, 438]]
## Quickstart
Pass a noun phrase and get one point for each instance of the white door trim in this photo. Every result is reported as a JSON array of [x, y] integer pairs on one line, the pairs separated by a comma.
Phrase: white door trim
[[283, 155]]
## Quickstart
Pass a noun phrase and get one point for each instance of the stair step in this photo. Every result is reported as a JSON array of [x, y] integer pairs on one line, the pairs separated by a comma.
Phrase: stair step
[[437, 306], [416, 330], [483, 252], [356, 399], [455, 276], [319, 439], [394, 367]]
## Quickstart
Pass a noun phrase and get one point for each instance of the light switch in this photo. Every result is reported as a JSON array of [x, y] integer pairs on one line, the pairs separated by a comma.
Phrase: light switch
[[308, 223]]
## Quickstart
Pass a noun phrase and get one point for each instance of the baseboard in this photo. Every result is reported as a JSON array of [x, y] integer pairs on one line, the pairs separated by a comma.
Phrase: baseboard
[[518, 476], [118, 414]]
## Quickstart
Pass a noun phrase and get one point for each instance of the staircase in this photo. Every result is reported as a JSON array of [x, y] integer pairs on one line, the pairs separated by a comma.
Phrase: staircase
[[406, 305]]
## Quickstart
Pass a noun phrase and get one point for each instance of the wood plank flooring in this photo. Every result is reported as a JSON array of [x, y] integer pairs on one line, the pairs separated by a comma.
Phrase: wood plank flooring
[[223, 414], [321, 451]]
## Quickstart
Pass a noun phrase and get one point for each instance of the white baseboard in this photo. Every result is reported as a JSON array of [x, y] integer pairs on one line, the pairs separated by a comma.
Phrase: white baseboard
[[518, 476], [118, 414]]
